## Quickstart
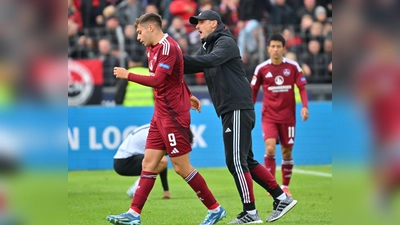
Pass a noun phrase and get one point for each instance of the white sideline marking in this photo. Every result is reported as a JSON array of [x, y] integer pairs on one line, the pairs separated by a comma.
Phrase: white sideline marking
[[315, 173]]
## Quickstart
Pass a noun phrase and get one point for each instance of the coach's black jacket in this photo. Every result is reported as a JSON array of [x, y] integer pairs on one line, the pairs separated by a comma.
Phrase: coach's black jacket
[[219, 59]]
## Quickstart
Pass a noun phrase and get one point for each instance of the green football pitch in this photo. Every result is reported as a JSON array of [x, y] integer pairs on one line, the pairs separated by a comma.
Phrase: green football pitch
[[92, 195]]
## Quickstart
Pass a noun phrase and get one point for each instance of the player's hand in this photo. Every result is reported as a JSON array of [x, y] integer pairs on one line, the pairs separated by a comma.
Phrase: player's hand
[[120, 72], [304, 113], [195, 103]]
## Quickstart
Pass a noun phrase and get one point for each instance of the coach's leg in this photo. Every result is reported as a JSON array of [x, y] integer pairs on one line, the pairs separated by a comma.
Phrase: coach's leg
[[237, 138]]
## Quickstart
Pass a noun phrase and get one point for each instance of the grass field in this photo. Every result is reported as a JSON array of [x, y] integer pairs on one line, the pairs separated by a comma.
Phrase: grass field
[[92, 195]]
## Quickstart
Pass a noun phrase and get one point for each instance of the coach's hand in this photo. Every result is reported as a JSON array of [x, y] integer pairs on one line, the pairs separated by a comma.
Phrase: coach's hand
[[120, 72], [195, 103], [304, 113]]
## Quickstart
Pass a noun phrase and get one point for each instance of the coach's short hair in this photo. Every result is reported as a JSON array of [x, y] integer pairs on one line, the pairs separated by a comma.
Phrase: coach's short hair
[[149, 17], [277, 37]]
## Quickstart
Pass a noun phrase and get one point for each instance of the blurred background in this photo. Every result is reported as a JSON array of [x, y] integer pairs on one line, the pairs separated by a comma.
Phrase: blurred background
[[102, 31]]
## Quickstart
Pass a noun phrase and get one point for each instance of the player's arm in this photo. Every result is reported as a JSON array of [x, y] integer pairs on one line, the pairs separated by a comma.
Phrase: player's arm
[[255, 84], [301, 85], [151, 81], [194, 102], [222, 52]]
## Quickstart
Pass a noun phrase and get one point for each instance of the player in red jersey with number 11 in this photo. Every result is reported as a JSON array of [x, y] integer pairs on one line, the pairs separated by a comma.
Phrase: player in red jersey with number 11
[[277, 76]]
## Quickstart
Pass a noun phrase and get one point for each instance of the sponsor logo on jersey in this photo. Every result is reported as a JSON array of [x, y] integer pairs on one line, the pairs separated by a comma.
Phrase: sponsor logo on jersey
[[228, 130], [166, 66], [151, 65], [303, 79]]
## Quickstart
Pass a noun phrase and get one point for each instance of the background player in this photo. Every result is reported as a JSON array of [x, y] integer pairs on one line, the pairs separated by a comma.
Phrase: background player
[[278, 75]]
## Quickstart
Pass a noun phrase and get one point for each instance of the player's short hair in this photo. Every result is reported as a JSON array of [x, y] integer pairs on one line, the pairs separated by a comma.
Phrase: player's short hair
[[277, 37], [149, 17]]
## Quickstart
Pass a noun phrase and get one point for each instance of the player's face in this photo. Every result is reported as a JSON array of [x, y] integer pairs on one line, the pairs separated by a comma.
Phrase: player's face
[[205, 28], [275, 49], [144, 34]]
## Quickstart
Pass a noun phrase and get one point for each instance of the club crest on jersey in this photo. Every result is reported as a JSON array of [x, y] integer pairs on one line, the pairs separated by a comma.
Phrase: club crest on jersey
[[286, 72], [279, 80], [155, 57]]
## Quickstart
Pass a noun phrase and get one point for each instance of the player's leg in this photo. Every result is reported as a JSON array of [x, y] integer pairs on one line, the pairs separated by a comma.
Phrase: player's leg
[[177, 137], [130, 166], [287, 135], [163, 172], [270, 135], [148, 177]]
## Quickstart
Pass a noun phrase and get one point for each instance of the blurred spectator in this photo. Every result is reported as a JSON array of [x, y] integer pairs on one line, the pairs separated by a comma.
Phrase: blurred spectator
[[320, 14], [228, 10], [74, 14], [305, 25], [91, 9], [109, 11], [307, 9], [206, 5], [316, 30], [185, 9], [128, 11], [282, 14], [109, 62], [328, 54], [177, 30], [293, 44], [250, 14], [315, 64], [136, 52]]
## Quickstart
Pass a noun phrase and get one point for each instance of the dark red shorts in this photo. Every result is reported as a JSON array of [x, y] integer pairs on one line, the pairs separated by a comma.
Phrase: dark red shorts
[[170, 134], [282, 132]]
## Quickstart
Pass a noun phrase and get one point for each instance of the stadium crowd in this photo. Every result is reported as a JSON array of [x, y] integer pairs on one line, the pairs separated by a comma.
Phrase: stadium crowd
[[104, 29]]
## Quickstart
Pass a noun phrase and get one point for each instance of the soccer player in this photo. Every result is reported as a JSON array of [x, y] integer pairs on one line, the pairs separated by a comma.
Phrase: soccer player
[[129, 157], [230, 92], [169, 127], [278, 75]]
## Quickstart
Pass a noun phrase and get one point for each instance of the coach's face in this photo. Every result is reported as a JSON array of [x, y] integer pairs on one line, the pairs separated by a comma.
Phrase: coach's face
[[275, 49], [144, 32], [206, 27]]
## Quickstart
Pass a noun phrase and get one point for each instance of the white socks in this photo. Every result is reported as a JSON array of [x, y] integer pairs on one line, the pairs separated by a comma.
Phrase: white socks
[[133, 212], [216, 210], [282, 197], [252, 212]]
